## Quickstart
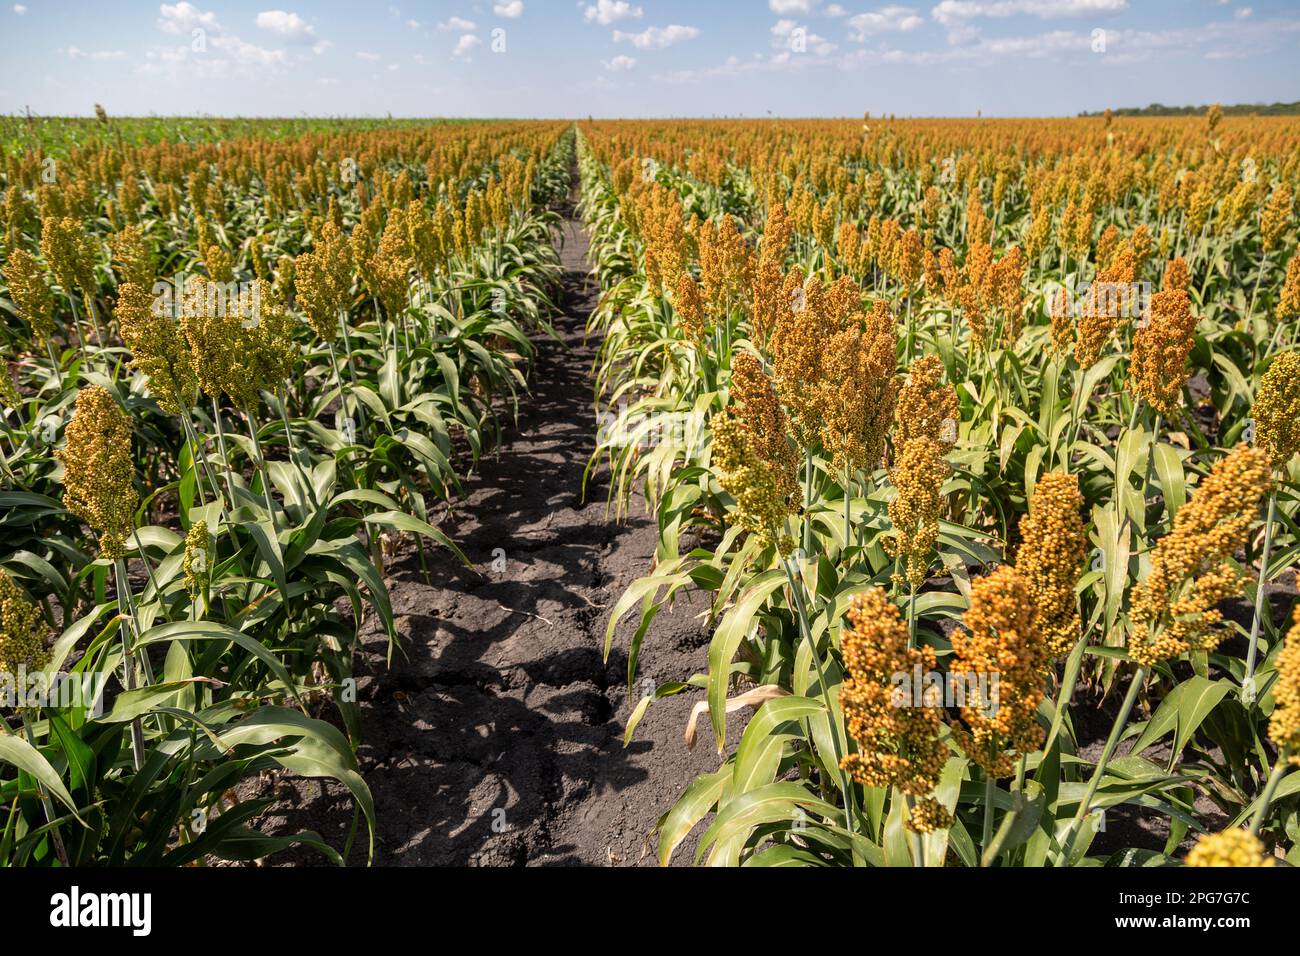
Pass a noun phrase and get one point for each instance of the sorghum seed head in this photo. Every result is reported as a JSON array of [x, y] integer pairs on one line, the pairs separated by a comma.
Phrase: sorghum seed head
[[1229, 848], [22, 632], [918, 475], [1277, 409], [30, 292], [1173, 610], [98, 471], [898, 739], [1284, 722], [1052, 556], [1003, 641]]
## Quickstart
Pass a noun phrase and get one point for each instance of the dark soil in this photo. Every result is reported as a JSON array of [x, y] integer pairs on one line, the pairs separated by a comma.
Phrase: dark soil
[[496, 736]]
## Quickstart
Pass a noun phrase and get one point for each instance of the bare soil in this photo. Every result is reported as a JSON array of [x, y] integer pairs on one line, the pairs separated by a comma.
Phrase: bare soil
[[495, 738]]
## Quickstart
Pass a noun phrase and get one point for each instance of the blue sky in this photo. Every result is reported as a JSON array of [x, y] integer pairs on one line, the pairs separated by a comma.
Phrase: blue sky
[[648, 58]]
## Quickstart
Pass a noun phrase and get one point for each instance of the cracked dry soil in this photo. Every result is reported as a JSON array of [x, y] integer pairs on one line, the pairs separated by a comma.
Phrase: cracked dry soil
[[495, 738]]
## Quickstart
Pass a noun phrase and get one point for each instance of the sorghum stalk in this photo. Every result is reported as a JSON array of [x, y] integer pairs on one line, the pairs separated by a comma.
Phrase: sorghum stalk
[[58, 369], [282, 401], [200, 459], [805, 629], [56, 839], [1270, 788], [986, 837], [126, 609], [260, 465], [225, 455], [1252, 650], [148, 565], [807, 497], [1121, 721], [94, 317]]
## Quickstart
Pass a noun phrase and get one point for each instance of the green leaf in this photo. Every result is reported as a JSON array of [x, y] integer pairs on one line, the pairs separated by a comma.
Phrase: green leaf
[[21, 754], [726, 641], [700, 796]]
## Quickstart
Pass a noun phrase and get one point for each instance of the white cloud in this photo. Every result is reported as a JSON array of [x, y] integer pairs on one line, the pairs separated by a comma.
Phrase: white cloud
[[656, 38], [457, 25], [413, 24], [790, 36], [791, 6], [465, 45], [74, 53], [1232, 39], [1242, 13], [891, 19], [835, 10], [225, 57], [225, 54], [19, 9], [619, 63], [606, 12], [949, 11], [288, 25], [367, 56], [293, 29], [511, 11], [185, 17], [249, 54]]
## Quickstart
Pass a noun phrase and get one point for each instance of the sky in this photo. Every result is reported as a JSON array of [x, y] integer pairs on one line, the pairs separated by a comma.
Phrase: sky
[[619, 58]]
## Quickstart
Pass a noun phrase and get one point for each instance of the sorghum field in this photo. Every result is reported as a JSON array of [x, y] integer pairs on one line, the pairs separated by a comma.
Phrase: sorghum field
[[869, 492]]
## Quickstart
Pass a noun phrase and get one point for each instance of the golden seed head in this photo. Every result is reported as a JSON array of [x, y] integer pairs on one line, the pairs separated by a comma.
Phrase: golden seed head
[[1158, 365], [689, 305], [323, 281], [1008, 293], [195, 562], [70, 254], [133, 257], [1173, 610], [1284, 723], [98, 471], [1003, 641], [927, 404], [764, 493], [1052, 555], [1277, 409], [1177, 276], [215, 257], [657, 214], [898, 737], [1102, 305], [726, 265], [22, 631], [30, 293], [928, 815], [918, 475], [9, 397], [1288, 303], [1275, 217], [858, 391], [798, 346], [1062, 322], [1229, 848], [158, 348], [240, 343]]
